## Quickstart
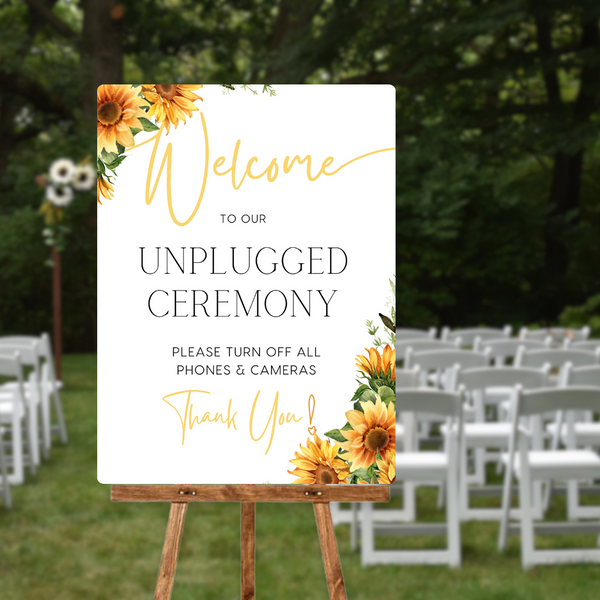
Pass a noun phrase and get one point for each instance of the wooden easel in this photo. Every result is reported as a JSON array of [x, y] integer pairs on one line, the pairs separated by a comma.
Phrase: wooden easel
[[248, 495]]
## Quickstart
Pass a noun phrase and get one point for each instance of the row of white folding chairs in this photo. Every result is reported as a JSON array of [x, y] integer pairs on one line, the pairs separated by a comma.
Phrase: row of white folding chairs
[[556, 335], [531, 465], [544, 358], [478, 434], [26, 405]]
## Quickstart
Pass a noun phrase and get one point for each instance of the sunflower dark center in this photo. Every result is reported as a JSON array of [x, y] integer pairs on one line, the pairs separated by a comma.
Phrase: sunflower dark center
[[325, 475], [167, 91], [376, 439], [109, 113]]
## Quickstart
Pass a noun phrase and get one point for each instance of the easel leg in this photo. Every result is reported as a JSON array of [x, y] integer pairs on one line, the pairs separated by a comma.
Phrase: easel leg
[[248, 551], [329, 549], [168, 562]]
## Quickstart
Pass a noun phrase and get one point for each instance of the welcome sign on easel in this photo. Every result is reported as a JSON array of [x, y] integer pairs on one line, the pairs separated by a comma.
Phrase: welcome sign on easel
[[244, 239]]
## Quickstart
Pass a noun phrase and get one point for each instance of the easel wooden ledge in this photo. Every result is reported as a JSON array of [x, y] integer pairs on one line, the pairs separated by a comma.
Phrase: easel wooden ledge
[[180, 495]]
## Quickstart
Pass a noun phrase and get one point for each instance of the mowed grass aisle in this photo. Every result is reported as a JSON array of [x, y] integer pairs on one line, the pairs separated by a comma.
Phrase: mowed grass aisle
[[65, 540]]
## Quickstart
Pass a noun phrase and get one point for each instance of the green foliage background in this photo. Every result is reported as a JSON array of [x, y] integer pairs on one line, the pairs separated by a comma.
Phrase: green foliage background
[[498, 114]]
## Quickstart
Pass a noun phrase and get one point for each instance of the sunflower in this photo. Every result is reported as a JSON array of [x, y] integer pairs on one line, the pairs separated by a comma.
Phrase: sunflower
[[372, 430], [376, 365], [118, 111], [318, 463], [104, 189], [386, 470], [171, 102]]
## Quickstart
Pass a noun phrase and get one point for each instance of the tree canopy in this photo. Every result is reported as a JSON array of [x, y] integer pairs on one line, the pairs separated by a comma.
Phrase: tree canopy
[[498, 111]]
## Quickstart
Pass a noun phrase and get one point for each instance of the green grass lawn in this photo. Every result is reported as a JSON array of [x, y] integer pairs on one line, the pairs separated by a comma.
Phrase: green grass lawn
[[65, 540]]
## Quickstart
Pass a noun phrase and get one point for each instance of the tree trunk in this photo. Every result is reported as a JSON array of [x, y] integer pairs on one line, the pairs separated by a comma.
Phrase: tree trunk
[[102, 49], [564, 200]]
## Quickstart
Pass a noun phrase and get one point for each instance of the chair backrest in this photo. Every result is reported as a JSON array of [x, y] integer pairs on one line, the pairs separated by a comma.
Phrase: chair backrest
[[481, 378], [557, 334], [587, 376], [502, 349], [469, 335], [589, 345], [421, 400], [10, 365], [411, 333], [407, 378], [420, 344], [28, 351], [576, 398], [429, 360], [556, 357]]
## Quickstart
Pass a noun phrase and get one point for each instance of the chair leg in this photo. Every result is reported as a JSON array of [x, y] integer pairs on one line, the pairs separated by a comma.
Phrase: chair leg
[[18, 460], [506, 506], [453, 518], [32, 437], [62, 427], [527, 533], [45, 419], [4, 474], [572, 499], [367, 545], [354, 506]]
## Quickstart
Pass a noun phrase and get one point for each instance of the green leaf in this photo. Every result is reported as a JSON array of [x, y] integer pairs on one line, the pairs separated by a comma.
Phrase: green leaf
[[371, 473], [120, 148], [115, 163], [359, 391], [336, 435], [362, 473], [388, 322], [108, 157], [368, 396], [346, 427], [147, 124], [385, 392], [135, 130]]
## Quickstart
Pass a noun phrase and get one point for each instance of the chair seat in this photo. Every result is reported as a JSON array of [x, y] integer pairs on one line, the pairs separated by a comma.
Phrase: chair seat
[[563, 464], [421, 466], [28, 388], [585, 433], [7, 407]]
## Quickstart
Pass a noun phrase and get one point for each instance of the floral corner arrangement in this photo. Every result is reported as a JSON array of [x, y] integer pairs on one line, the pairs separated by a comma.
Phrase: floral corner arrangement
[[363, 451], [125, 110]]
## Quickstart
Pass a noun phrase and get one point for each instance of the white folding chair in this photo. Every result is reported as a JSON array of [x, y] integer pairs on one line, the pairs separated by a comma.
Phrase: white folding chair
[[470, 335], [586, 434], [14, 415], [405, 436], [589, 345], [51, 385], [481, 434], [412, 333], [556, 334], [422, 466], [542, 465], [502, 350], [36, 400], [435, 364], [421, 344]]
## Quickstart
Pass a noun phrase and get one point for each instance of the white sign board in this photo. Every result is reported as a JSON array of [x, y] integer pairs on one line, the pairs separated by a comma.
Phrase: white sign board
[[238, 261]]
